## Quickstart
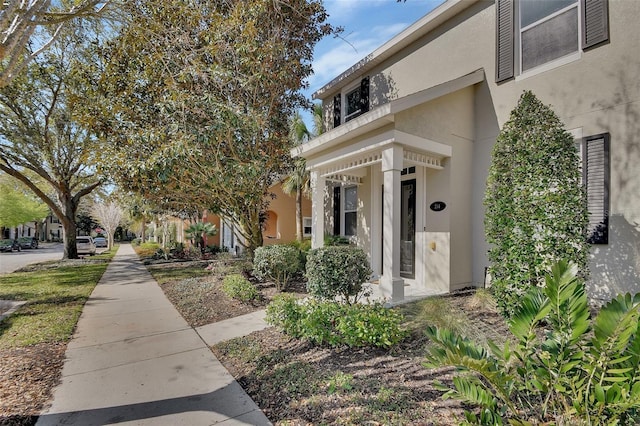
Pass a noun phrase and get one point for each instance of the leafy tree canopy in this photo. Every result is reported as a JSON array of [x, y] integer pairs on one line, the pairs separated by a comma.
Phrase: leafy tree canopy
[[25, 24], [18, 205], [40, 139], [199, 94]]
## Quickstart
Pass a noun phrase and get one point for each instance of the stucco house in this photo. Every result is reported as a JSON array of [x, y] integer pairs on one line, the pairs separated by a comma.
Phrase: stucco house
[[402, 166], [279, 225]]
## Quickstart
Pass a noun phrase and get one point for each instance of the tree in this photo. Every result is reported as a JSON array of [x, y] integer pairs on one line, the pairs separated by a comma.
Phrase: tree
[[109, 215], [536, 211], [23, 21], [39, 135], [18, 207], [298, 180], [198, 95]]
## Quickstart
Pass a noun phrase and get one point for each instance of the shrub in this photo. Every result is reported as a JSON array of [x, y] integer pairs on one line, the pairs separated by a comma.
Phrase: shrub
[[337, 271], [304, 246], [331, 323], [147, 249], [278, 263], [285, 312], [238, 287], [335, 240], [574, 371], [536, 210]]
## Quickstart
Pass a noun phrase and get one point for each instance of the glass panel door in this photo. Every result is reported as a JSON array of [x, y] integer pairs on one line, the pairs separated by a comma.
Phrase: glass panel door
[[408, 229]]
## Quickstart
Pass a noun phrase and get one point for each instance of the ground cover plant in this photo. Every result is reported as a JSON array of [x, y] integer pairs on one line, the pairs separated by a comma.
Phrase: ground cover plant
[[33, 339], [196, 288], [563, 368]]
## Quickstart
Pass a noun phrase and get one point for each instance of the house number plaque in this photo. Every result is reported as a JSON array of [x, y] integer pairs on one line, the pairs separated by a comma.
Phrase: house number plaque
[[438, 206]]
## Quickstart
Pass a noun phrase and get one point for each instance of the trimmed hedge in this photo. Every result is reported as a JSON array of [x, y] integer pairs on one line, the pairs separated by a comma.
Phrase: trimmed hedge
[[278, 262], [337, 271]]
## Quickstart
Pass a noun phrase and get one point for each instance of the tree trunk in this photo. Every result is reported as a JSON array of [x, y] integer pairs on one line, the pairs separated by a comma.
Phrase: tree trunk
[[299, 218], [69, 207]]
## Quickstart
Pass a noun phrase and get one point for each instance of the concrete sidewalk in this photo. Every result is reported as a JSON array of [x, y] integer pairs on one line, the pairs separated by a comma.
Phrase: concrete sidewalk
[[134, 360]]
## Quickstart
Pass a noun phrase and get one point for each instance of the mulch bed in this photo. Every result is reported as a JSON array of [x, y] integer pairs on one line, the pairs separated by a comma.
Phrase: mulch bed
[[27, 378]]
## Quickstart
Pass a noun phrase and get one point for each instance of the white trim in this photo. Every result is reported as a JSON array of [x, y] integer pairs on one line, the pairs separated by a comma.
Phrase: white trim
[[383, 115], [555, 63], [305, 226]]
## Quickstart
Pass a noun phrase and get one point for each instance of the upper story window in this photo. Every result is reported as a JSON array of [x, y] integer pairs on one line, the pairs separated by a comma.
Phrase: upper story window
[[351, 102], [546, 31]]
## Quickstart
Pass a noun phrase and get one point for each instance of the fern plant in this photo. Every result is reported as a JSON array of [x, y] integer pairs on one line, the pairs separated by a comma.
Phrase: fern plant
[[562, 369]]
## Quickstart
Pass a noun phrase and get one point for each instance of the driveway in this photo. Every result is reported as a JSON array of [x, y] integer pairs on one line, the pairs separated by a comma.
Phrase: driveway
[[10, 261]]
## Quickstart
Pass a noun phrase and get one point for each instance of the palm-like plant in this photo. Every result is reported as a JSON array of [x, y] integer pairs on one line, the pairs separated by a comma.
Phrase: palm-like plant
[[197, 231], [559, 371], [298, 180]]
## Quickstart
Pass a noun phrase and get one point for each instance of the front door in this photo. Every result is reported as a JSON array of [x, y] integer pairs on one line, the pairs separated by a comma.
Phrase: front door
[[408, 229]]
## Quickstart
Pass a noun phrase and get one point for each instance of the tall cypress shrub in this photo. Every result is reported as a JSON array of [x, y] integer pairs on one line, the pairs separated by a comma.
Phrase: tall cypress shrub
[[536, 211]]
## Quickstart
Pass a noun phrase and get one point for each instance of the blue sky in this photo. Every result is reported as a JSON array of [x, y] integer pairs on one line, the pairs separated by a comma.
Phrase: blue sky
[[367, 24]]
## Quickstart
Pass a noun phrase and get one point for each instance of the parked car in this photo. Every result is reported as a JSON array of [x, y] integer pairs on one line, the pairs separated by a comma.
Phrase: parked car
[[9, 245], [100, 241], [85, 245], [28, 242]]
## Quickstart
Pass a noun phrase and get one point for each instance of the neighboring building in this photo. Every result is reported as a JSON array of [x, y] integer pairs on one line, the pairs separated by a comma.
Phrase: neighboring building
[[279, 226], [402, 167]]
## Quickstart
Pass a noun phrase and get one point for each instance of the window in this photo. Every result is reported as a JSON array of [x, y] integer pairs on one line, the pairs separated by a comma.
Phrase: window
[[351, 103], [345, 210], [546, 31], [350, 211], [594, 152], [306, 226]]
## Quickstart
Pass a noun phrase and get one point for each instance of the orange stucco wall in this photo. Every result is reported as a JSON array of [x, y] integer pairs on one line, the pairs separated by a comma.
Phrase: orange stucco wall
[[212, 218]]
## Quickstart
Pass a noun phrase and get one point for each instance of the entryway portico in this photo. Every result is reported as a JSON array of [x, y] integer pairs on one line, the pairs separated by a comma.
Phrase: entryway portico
[[389, 169]]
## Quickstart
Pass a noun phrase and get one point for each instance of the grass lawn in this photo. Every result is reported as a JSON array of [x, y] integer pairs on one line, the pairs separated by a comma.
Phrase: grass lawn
[[55, 294]]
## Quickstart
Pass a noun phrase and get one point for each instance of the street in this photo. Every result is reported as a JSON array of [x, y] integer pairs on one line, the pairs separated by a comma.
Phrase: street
[[10, 261]]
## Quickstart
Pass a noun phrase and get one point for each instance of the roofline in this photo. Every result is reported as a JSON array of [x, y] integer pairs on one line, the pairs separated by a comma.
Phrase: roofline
[[442, 13], [383, 115]]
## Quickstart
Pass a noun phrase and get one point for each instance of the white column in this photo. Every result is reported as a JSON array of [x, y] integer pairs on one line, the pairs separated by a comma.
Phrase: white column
[[391, 284], [318, 187], [376, 221]]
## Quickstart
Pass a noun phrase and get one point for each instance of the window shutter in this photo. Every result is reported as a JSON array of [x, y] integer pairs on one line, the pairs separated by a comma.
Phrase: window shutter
[[595, 22], [336, 210], [337, 104], [364, 95], [595, 169], [504, 39]]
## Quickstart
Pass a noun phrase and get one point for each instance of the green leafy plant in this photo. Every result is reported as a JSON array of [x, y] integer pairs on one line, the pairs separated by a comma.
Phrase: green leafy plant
[[536, 210], [337, 271], [197, 232], [277, 262], [564, 368], [238, 287], [340, 382], [331, 323], [285, 312]]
